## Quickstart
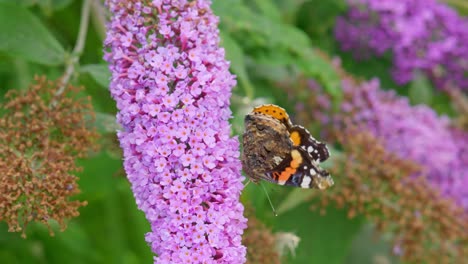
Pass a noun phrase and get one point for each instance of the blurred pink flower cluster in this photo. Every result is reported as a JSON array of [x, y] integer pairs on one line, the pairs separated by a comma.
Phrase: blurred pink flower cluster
[[414, 133], [421, 35]]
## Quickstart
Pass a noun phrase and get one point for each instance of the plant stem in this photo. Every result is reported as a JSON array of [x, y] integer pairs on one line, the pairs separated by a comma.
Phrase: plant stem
[[79, 46], [99, 18]]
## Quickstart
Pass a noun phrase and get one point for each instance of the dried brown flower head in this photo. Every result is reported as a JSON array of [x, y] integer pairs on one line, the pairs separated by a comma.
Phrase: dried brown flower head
[[427, 228], [460, 104], [42, 132], [260, 242]]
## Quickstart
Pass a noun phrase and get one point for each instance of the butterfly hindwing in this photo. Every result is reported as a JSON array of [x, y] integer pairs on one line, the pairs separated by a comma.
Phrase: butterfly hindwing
[[316, 149], [299, 170]]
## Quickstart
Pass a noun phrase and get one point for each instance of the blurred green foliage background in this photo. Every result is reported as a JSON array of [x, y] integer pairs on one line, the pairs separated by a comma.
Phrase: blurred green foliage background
[[267, 42]]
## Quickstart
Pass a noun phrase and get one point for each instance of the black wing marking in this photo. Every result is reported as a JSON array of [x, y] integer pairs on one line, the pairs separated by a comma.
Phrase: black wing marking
[[316, 149], [306, 174]]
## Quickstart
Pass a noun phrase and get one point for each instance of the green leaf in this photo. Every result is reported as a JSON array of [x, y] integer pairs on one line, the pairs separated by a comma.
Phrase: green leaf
[[369, 246], [111, 217], [317, 17], [324, 238], [268, 8], [321, 69], [294, 198], [136, 222], [259, 35], [106, 123], [16, 250], [268, 33], [420, 90], [99, 72], [23, 35], [98, 177], [290, 7], [54, 4], [235, 54], [70, 246], [20, 2], [460, 5]]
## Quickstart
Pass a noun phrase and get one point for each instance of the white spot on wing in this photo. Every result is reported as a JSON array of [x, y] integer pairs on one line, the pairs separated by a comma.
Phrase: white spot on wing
[[306, 182], [277, 160], [312, 172]]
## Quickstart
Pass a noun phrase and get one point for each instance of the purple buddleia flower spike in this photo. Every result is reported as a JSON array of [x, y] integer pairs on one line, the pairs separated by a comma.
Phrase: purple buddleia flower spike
[[172, 87]]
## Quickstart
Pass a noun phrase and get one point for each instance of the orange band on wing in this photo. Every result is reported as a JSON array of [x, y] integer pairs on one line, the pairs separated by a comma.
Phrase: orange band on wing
[[295, 138], [284, 176], [296, 159], [273, 111], [295, 163]]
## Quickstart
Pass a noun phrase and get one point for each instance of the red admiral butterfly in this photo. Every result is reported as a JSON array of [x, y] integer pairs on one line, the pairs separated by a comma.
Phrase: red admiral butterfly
[[277, 151]]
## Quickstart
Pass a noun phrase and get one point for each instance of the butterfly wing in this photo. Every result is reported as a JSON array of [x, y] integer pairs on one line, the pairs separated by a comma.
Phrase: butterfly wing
[[300, 170], [316, 149], [275, 112]]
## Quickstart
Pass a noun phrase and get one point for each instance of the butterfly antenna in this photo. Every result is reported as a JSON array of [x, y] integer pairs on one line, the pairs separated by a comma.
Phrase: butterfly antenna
[[269, 200], [248, 181]]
